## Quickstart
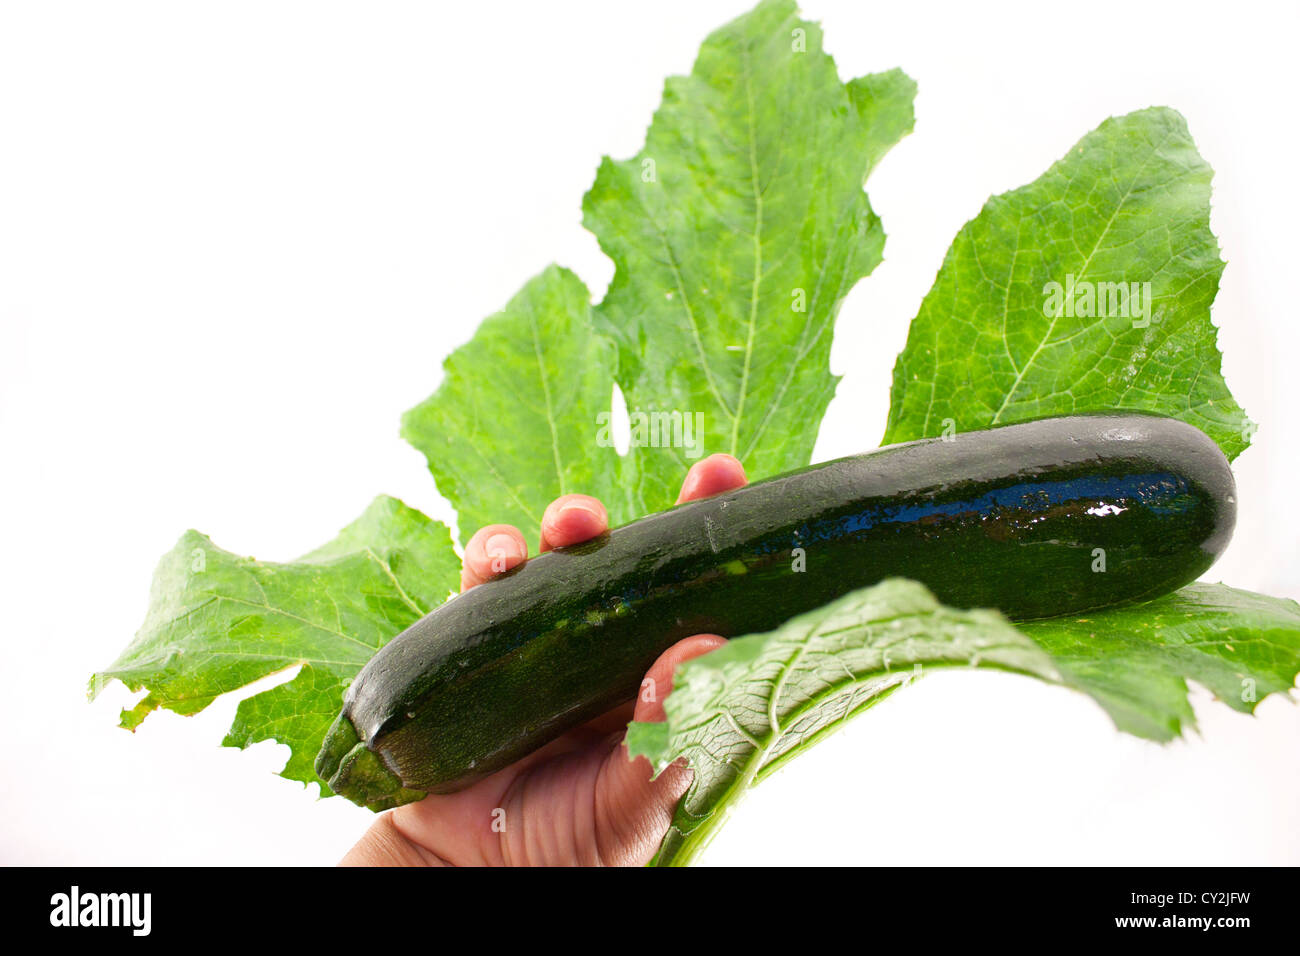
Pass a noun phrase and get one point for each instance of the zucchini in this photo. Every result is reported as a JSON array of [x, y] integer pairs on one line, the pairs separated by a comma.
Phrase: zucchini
[[1009, 518]]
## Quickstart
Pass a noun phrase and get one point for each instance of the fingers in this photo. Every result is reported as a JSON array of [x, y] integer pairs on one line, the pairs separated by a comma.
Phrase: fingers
[[571, 519], [492, 550], [711, 476]]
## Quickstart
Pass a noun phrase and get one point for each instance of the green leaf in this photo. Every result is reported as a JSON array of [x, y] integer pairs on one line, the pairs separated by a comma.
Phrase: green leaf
[[1135, 660], [518, 418], [740, 712], [730, 268], [1129, 204], [218, 621], [736, 232]]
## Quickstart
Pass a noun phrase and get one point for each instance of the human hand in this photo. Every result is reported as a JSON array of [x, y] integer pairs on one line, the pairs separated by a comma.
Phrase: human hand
[[579, 800]]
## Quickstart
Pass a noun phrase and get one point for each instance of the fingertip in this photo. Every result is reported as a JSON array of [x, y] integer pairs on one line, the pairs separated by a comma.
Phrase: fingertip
[[492, 550], [713, 475], [572, 519]]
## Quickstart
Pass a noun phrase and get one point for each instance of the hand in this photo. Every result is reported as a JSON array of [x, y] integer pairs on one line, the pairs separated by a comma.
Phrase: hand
[[579, 800]]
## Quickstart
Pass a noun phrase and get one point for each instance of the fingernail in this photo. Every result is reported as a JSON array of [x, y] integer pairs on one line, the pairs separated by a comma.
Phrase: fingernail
[[582, 507], [503, 547]]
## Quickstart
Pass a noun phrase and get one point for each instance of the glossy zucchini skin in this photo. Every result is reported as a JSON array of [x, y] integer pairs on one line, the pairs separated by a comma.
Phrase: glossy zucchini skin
[[1007, 518]]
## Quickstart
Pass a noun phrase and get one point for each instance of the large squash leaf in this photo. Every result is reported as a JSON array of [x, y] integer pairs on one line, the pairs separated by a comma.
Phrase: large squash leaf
[[1087, 290], [218, 621]]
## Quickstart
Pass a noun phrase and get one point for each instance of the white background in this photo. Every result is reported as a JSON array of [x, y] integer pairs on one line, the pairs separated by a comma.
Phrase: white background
[[237, 240]]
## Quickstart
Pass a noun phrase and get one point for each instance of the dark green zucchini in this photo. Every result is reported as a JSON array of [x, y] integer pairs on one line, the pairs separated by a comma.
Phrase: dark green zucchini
[[1010, 518]]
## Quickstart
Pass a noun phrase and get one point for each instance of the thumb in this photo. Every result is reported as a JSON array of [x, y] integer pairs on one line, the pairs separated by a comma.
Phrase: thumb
[[659, 678], [633, 810]]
